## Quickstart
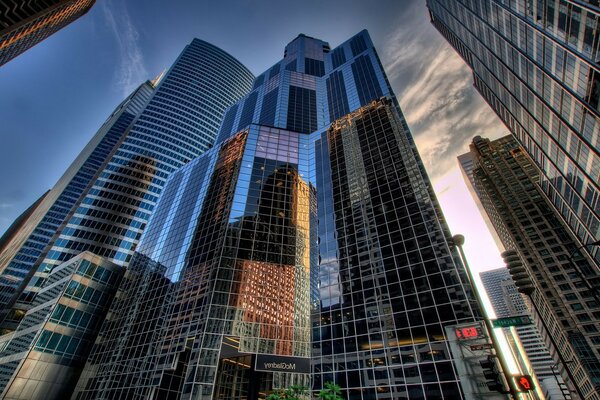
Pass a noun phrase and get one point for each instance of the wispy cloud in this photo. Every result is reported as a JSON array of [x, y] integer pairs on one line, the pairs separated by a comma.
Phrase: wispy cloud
[[131, 70], [444, 112], [435, 90]]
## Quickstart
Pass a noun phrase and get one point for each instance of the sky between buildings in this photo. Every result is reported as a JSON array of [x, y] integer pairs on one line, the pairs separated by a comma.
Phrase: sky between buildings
[[56, 95]]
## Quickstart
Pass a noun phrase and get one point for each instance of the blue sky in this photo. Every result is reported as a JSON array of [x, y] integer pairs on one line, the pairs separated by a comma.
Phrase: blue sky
[[57, 94]]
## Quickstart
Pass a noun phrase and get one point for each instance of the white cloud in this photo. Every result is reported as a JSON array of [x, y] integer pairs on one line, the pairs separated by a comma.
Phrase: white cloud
[[444, 111], [131, 70]]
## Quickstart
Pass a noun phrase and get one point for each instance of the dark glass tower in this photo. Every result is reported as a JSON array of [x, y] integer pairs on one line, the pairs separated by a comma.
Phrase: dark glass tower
[[566, 282], [104, 200], [23, 24], [305, 247], [536, 64]]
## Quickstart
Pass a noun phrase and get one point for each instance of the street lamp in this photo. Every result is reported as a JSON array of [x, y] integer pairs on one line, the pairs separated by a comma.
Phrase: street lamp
[[458, 241]]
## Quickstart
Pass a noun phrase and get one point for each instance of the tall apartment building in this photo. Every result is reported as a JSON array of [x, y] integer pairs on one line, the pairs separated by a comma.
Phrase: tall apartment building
[[104, 200], [507, 302], [536, 64], [25, 23], [305, 247], [467, 165], [565, 280]]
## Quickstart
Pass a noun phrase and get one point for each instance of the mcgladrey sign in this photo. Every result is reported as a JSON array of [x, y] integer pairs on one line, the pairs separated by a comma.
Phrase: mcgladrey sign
[[272, 363]]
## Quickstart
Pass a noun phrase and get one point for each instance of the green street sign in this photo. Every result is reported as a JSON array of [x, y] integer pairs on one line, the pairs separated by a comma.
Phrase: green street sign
[[512, 321]]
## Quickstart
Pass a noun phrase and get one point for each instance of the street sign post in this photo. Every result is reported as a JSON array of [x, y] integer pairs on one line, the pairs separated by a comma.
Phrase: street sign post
[[517, 320]]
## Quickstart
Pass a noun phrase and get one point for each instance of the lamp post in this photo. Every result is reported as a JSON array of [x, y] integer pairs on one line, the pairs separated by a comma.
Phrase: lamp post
[[458, 241]]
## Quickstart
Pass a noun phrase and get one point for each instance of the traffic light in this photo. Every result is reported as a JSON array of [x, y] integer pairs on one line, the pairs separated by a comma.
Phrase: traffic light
[[518, 272], [493, 378], [524, 383]]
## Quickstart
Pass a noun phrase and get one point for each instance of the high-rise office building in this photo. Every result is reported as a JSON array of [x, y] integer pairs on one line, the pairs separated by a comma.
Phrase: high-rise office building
[[54, 338], [565, 279], [104, 200], [152, 133], [305, 247], [15, 230], [25, 23], [536, 64], [508, 302], [17, 260]]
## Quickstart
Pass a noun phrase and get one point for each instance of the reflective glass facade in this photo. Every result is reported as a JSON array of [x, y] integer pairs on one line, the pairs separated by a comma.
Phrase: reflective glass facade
[[118, 179], [536, 64], [389, 284], [222, 274], [18, 259], [44, 357], [298, 250]]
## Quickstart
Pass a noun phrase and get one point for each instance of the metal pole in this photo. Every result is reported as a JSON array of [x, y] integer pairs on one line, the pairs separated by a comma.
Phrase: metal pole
[[514, 390]]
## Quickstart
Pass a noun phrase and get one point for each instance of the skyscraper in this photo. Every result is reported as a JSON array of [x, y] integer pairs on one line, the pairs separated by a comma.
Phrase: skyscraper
[[18, 260], [54, 338], [15, 230], [467, 166], [23, 24], [565, 280], [104, 200], [305, 247], [507, 302], [535, 63]]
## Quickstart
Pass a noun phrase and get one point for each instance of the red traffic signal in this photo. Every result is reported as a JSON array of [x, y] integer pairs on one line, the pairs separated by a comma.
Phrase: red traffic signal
[[524, 382]]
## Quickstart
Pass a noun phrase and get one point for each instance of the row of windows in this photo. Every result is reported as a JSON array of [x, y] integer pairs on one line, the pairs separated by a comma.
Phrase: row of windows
[[86, 294], [64, 345], [74, 318], [96, 272]]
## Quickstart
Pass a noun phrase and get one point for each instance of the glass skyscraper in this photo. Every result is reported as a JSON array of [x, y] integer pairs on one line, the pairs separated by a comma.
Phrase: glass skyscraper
[[23, 24], [54, 338], [104, 200], [18, 259], [536, 64], [306, 246]]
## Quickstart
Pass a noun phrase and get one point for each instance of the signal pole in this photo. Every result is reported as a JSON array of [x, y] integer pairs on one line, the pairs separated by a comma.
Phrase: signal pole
[[513, 390]]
